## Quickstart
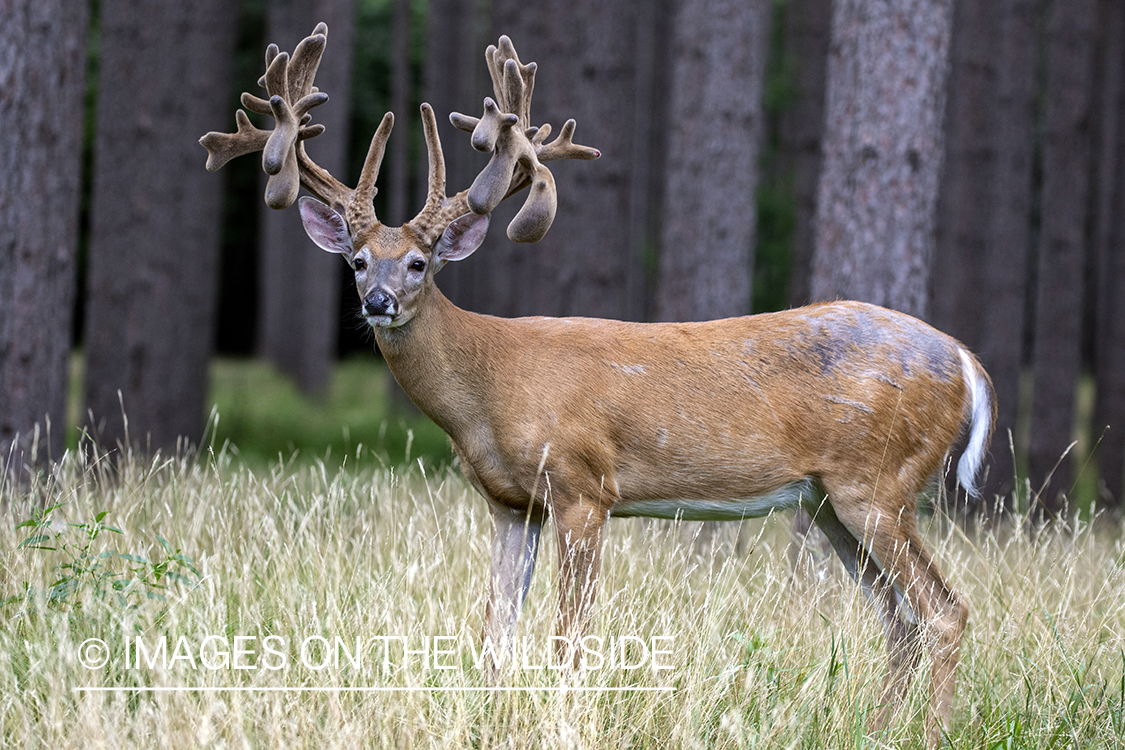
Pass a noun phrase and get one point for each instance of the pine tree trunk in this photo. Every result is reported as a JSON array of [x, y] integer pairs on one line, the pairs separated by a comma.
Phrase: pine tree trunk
[[456, 80], [586, 265], [163, 82], [808, 26], [299, 300], [43, 69], [1062, 246], [963, 203], [1109, 362], [398, 153], [1009, 232], [983, 242], [711, 174], [883, 147]]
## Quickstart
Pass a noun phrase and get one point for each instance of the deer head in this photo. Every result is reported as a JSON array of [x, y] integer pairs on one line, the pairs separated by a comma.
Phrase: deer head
[[394, 266]]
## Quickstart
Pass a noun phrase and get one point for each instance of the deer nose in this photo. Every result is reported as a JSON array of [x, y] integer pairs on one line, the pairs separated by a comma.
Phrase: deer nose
[[380, 302]]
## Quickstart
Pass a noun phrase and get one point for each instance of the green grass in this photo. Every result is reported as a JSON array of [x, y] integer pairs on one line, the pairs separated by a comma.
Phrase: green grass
[[263, 415], [761, 656]]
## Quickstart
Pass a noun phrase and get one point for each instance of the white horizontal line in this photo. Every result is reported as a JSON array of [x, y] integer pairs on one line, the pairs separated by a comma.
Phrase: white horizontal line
[[374, 689]]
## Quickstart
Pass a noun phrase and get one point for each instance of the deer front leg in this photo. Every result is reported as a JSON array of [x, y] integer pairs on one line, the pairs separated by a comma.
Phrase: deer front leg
[[579, 528], [515, 544]]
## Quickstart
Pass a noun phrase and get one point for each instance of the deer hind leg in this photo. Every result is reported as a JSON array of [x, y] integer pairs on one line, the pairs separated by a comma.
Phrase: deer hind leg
[[943, 613], [892, 540], [899, 626]]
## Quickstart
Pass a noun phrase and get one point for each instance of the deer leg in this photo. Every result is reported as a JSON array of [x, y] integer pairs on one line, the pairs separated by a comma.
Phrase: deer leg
[[943, 614], [515, 544], [579, 530], [899, 626], [894, 542]]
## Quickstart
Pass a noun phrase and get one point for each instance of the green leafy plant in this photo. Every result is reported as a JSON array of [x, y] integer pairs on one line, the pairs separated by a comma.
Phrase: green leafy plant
[[123, 580]]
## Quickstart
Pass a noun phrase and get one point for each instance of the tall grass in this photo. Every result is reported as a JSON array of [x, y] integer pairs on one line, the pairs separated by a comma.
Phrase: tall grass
[[760, 656]]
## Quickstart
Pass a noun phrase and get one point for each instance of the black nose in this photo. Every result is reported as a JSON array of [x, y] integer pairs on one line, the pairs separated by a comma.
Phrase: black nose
[[380, 302]]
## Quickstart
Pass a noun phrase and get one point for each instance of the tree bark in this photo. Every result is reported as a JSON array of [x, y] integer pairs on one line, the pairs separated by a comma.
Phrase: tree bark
[[808, 26], [715, 132], [984, 212], [164, 80], [1062, 247], [586, 265], [883, 147], [398, 153], [963, 202], [455, 79], [1003, 326], [42, 93], [299, 298], [1109, 361]]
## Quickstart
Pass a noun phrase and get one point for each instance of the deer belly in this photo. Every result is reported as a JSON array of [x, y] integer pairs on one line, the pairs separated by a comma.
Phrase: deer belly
[[786, 497]]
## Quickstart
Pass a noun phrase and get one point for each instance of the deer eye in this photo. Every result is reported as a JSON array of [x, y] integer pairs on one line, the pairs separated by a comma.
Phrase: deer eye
[[418, 265], [359, 264]]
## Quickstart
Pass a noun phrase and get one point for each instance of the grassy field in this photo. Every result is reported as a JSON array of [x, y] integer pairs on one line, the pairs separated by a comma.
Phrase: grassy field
[[343, 561], [261, 417]]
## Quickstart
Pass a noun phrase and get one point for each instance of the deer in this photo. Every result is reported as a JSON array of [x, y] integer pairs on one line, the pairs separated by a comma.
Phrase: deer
[[845, 409]]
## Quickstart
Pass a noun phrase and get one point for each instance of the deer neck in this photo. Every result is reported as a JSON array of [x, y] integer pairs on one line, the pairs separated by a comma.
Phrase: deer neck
[[438, 358]]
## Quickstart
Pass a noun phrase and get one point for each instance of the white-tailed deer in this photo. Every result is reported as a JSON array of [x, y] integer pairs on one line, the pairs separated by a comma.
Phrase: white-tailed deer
[[844, 408]]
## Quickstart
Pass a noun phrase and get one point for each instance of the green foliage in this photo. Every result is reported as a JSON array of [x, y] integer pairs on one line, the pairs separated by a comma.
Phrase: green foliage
[[772, 257], [263, 416], [775, 201], [123, 580], [371, 80], [780, 90]]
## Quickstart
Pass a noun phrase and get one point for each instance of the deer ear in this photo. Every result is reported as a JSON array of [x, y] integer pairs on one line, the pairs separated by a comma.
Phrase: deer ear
[[325, 227], [463, 235]]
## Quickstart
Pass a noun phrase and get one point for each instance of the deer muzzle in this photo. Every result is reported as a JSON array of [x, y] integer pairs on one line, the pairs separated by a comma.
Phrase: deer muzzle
[[380, 307]]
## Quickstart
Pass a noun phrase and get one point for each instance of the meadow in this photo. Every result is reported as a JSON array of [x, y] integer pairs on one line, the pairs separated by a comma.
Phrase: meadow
[[335, 600]]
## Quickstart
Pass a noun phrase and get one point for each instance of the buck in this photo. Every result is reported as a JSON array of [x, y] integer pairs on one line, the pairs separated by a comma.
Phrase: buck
[[845, 409]]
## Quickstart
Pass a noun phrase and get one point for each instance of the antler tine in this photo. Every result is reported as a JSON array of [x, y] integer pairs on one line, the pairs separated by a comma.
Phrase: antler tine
[[563, 147], [306, 61], [289, 85], [512, 81], [360, 208], [438, 210], [435, 181], [517, 148], [222, 147]]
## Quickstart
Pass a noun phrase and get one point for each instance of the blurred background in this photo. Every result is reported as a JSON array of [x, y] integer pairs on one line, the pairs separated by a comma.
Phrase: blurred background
[[958, 160]]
